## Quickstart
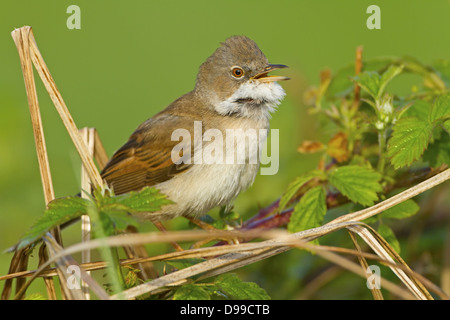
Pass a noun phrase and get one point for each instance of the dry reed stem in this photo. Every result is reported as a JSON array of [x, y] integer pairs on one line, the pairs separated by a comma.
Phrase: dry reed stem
[[414, 286], [18, 263], [376, 293], [55, 95], [49, 284], [21, 38], [67, 261], [28, 54], [211, 251], [88, 137]]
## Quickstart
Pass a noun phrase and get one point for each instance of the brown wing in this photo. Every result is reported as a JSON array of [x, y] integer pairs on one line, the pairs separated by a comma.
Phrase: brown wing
[[145, 159]]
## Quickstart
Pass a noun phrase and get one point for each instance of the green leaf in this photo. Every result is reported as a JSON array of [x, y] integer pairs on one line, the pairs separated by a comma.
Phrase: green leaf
[[438, 152], [388, 235], [115, 218], [420, 109], [409, 140], [440, 111], [388, 75], [359, 184], [191, 292], [145, 200], [235, 288], [309, 211], [370, 82], [403, 210], [294, 186], [374, 84], [116, 211], [131, 279], [58, 211]]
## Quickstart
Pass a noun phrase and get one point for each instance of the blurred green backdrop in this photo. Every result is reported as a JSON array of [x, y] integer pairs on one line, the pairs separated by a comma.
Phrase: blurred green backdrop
[[132, 58]]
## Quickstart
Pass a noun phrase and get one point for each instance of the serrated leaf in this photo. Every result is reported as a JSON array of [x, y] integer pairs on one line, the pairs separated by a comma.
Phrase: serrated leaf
[[294, 186], [235, 288], [131, 279], [309, 212], [409, 140], [58, 211], [116, 211], [146, 200], [359, 184], [191, 292], [441, 109], [388, 235], [403, 210]]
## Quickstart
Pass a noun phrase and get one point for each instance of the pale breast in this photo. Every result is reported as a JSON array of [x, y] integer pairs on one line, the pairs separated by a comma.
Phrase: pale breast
[[217, 181]]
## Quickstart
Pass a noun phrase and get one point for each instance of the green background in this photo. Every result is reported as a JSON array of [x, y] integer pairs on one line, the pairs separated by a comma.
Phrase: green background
[[132, 58]]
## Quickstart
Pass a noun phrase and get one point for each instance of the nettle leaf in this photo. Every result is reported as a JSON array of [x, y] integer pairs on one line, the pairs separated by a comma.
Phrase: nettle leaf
[[191, 292], [403, 210], [359, 184], [146, 200], [389, 235], [116, 211], [58, 211], [234, 288], [309, 211], [409, 140], [294, 186]]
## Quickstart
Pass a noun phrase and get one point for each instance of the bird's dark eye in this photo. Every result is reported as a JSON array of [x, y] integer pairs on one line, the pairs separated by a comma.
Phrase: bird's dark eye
[[237, 72]]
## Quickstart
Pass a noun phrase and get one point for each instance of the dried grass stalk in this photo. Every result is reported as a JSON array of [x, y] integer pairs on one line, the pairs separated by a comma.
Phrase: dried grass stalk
[[31, 49]]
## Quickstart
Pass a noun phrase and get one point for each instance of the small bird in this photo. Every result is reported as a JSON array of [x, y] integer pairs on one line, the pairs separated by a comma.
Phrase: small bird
[[233, 91]]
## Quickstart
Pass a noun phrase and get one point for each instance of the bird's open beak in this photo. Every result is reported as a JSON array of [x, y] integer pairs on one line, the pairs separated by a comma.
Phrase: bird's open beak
[[264, 77]]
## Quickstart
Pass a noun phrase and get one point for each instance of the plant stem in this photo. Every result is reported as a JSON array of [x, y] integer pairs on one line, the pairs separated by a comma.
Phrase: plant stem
[[109, 255], [382, 147]]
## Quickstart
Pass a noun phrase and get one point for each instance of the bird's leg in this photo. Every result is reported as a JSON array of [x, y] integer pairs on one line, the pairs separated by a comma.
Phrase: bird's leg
[[161, 228]]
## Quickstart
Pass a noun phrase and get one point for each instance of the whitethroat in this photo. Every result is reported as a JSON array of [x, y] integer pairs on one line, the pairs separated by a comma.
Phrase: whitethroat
[[233, 91]]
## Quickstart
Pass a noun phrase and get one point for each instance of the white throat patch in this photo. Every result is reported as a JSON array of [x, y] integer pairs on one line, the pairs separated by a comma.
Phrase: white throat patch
[[253, 99]]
